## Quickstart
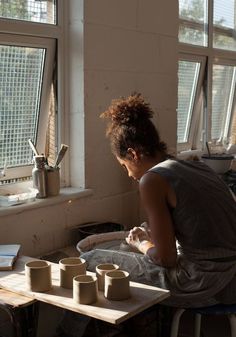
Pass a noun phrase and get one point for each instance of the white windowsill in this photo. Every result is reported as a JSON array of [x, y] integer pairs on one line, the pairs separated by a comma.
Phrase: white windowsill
[[66, 194], [188, 153]]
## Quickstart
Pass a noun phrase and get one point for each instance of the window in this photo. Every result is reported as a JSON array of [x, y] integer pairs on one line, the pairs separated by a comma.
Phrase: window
[[43, 11], [206, 74], [28, 41]]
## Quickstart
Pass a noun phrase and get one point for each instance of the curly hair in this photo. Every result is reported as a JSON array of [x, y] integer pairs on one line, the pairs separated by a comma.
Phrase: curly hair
[[130, 126]]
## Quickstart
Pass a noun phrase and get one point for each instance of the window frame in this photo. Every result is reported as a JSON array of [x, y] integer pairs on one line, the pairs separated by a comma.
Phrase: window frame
[[212, 56], [49, 46], [195, 115], [51, 37], [226, 62]]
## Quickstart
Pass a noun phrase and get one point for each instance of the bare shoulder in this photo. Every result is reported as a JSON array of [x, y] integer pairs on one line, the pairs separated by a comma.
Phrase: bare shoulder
[[154, 186], [152, 180]]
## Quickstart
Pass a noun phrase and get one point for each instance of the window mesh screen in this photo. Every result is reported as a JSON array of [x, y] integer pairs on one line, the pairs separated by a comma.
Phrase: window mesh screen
[[233, 130], [29, 10], [223, 86], [225, 24], [51, 142], [20, 90], [188, 75]]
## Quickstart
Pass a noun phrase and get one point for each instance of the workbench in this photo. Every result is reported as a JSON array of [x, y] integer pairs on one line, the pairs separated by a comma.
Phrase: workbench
[[142, 296]]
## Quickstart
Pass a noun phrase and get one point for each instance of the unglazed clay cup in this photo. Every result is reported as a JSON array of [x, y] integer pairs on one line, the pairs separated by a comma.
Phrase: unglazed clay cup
[[53, 181], [101, 270], [38, 275], [117, 286], [85, 289], [69, 268]]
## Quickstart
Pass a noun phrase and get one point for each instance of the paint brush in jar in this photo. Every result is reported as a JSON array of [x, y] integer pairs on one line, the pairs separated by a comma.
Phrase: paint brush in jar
[[33, 147], [61, 154]]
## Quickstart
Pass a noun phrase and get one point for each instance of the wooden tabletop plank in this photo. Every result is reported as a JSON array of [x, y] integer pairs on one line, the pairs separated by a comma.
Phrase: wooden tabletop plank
[[142, 296], [13, 299]]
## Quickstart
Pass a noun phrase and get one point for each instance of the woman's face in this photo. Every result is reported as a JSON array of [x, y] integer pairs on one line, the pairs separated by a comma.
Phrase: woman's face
[[133, 167]]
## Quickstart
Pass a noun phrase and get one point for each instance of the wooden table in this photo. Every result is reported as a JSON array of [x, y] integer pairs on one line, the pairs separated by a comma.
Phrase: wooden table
[[115, 312]]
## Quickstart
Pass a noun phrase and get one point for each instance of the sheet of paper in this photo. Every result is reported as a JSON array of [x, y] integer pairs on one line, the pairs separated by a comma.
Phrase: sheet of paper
[[8, 255], [9, 250]]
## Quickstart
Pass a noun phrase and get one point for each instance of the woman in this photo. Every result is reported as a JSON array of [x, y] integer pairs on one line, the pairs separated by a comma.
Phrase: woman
[[189, 246]]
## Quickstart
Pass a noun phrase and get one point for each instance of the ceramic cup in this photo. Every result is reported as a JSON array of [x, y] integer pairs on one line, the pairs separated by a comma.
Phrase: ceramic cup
[[38, 275], [69, 268], [117, 285], [85, 289], [53, 181], [101, 270]]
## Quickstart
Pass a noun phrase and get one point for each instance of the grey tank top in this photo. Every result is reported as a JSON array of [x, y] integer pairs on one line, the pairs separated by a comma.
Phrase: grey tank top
[[205, 215], [205, 225]]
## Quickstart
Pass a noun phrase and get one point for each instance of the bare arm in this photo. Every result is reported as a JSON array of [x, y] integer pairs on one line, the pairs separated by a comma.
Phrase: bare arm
[[155, 195]]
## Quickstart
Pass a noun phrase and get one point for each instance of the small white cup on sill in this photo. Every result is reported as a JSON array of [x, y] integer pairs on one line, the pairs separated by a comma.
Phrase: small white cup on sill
[[53, 181]]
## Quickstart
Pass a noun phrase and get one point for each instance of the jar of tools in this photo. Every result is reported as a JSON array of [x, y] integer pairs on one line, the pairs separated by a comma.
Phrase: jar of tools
[[46, 179]]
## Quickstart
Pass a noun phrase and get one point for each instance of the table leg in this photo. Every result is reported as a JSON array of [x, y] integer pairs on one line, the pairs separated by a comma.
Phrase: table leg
[[29, 320], [24, 320], [10, 311]]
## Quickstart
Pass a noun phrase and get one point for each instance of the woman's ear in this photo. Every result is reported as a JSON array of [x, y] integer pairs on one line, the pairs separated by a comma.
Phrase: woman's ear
[[132, 154]]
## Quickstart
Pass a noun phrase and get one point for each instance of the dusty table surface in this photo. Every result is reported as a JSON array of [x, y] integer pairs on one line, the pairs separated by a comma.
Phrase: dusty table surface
[[142, 296]]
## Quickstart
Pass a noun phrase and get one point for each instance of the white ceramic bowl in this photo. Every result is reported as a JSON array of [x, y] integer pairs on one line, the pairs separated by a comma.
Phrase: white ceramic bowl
[[220, 163]]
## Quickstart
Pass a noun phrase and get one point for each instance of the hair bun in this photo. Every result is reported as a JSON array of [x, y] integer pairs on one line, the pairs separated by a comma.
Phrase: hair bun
[[129, 111]]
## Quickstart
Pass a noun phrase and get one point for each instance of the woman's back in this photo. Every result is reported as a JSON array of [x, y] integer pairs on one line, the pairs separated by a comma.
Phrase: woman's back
[[205, 215]]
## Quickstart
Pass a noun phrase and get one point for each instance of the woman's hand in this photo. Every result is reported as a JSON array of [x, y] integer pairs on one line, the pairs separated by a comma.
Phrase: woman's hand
[[137, 236]]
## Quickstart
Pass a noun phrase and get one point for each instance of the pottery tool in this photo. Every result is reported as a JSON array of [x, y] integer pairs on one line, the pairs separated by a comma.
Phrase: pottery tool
[[33, 147], [61, 154]]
